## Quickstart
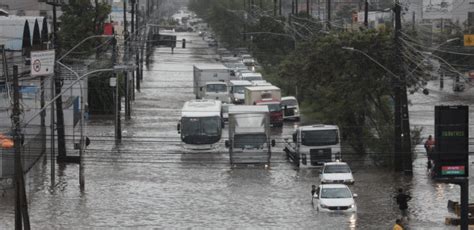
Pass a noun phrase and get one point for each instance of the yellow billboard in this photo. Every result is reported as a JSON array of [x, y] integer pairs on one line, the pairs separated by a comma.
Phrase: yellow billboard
[[469, 40]]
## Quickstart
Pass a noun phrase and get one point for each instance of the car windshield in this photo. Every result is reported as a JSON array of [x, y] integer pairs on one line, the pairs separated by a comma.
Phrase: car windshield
[[319, 137], [200, 126], [290, 102], [218, 88], [335, 193], [337, 169], [247, 141], [239, 89]]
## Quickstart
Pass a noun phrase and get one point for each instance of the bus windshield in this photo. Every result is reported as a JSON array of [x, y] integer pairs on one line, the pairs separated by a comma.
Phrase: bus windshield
[[319, 137], [200, 126]]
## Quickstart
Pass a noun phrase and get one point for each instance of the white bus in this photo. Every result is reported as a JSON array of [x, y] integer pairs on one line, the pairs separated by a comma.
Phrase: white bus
[[201, 124]]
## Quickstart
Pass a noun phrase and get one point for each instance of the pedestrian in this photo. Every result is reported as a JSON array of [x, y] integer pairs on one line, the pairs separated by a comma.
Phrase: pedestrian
[[402, 201], [429, 147], [398, 225], [313, 191]]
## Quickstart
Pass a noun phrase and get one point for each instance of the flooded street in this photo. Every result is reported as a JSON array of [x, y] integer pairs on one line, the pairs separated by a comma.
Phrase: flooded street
[[148, 181]]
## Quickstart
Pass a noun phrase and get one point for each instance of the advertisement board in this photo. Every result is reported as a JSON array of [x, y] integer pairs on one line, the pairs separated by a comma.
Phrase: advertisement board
[[452, 141]]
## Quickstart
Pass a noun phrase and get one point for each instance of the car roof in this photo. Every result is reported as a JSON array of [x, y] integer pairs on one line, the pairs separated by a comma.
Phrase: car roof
[[288, 98], [336, 163], [318, 127], [333, 186]]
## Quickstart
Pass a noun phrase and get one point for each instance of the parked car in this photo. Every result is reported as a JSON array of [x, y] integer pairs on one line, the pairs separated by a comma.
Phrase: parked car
[[336, 172], [335, 198]]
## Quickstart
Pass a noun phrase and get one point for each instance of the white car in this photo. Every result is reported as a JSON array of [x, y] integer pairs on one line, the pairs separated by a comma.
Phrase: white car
[[336, 173], [335, 198]]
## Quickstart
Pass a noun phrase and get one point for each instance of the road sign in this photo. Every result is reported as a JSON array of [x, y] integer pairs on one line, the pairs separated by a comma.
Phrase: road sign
[[452, 141], [468, 39], [42, 63]]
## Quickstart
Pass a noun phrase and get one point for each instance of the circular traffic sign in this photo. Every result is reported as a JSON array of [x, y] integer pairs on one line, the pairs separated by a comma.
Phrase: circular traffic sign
[[37, 65]]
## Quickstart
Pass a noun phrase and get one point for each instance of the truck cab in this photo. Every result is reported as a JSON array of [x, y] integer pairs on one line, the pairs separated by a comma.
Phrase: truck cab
[[291, 108], [249, 135], [237, 91], [217, 91], [313, 145], [276, 112]]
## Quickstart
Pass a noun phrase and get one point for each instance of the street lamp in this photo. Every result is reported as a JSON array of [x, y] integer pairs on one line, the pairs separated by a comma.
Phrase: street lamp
[[371, 58]]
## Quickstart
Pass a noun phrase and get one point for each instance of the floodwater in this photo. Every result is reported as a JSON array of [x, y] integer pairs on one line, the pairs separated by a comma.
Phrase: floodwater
[[148, 181]]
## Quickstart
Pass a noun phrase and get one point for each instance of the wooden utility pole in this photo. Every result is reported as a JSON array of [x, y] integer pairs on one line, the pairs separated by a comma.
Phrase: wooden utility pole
[[137, 52], [366, 13], [57, 86], [274, 7], [297, 9], [329, 14], [21, 204], [402, 145], [279, 7], [125, 59], [307, 8]]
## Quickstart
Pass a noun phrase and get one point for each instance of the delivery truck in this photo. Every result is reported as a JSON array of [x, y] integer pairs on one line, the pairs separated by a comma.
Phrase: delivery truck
[[211, 82]]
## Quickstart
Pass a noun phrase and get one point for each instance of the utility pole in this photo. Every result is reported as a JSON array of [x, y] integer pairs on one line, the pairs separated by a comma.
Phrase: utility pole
[[57, 86], [307, 8], [132, 32], [118, 126], [366, 13], [279, 6], [329, 15], [21, 205], [403, 161], [274, 7], [296, 7], [126, 57], [137, 52], [292, 7]]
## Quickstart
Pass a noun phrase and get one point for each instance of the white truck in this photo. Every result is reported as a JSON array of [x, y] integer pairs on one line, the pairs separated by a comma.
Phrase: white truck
[[269, 96], [237, 91], [254, 94], [249, 135], [314, 145], [211, 82]]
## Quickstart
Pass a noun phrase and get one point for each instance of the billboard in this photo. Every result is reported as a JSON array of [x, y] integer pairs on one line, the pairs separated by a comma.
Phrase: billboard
[[452, 141], [437, 9]]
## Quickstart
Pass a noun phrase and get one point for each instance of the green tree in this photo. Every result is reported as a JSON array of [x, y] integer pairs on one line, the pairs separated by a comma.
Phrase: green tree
[[78, 21], [345, 88]]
